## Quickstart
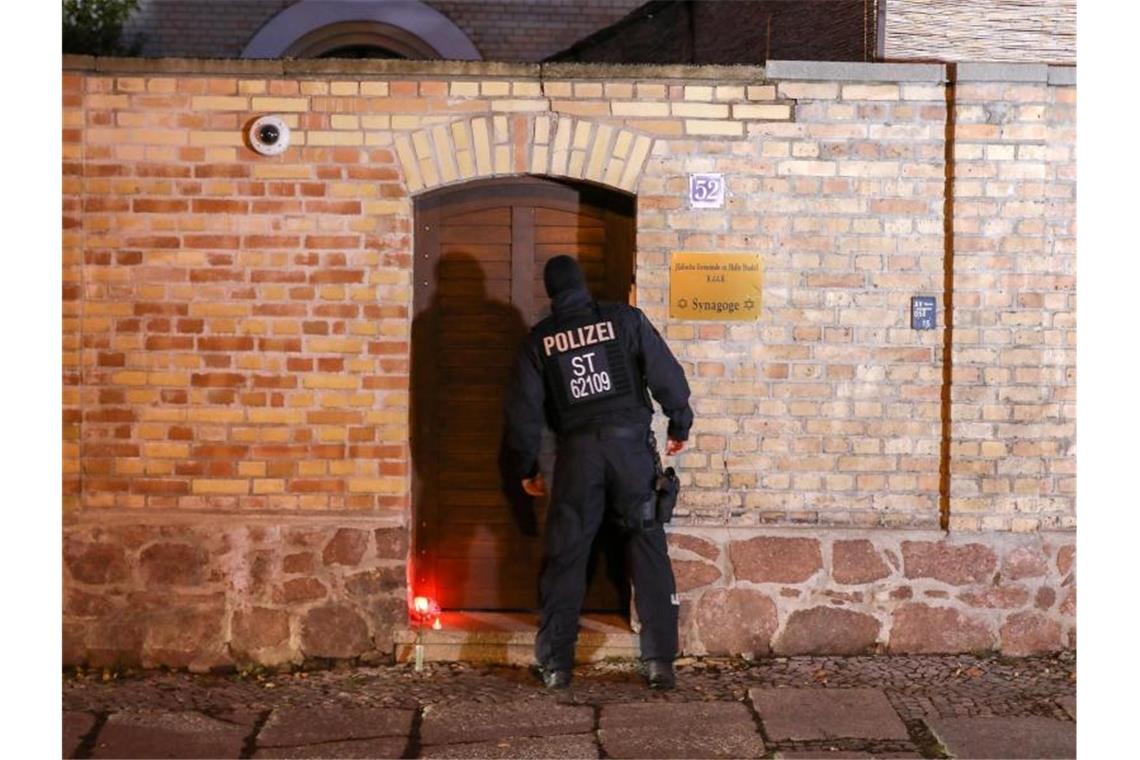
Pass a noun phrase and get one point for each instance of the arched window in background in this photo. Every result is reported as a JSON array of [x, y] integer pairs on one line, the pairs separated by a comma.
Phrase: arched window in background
[[345, 29], [360, 39]]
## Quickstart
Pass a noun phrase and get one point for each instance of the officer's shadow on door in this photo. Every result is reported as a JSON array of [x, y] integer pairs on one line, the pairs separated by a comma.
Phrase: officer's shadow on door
[[474, 529]]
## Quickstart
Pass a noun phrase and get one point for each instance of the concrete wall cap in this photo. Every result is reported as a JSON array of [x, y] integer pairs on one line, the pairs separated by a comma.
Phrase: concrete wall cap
[[166, 66], [388, 67], [72, 62], [1063, 75], [683, 72], [380, 68], [1002, 72], [844, 71]]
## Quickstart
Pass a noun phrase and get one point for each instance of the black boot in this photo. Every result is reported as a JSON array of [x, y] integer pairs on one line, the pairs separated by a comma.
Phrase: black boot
[[554, 678], [660, 674]]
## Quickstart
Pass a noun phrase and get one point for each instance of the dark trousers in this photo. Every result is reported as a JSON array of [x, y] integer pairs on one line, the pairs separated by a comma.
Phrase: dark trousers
[[593, 473]]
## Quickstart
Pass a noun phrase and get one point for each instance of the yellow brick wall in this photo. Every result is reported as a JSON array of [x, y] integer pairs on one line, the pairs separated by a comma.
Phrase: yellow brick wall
[[73, 119], [1014, 388], [245, 320], [825, 410]]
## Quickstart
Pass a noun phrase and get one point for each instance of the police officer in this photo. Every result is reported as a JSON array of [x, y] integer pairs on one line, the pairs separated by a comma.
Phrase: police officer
[[588, 369]]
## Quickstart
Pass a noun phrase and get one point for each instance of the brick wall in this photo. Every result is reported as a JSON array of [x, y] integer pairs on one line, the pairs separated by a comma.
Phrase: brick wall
[[237, 327], [1014, 345], [827, 410], [245, 334], [74, 119]]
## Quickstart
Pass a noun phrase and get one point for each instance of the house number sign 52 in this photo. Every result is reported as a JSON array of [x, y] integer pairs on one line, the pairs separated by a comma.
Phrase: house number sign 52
[[706, 190]]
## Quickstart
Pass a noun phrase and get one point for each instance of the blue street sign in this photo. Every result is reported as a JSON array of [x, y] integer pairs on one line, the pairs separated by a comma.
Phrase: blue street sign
[[922, 312]]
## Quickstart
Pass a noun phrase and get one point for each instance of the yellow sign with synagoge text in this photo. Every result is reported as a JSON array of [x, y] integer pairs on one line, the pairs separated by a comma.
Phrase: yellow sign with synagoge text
[[715, 286]]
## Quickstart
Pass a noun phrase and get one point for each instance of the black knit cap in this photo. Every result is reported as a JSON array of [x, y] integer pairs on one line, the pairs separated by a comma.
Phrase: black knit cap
[[562, 273]]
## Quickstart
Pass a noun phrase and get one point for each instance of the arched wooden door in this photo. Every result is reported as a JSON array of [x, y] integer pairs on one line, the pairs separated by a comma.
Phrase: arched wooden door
[[479, 254]]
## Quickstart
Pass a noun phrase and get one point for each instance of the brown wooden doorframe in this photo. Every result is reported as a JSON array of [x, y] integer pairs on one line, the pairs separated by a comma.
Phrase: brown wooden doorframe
[[479, 249]]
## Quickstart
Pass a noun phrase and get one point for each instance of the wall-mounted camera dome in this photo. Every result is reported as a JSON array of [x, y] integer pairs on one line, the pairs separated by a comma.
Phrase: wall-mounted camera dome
[[269, 135]]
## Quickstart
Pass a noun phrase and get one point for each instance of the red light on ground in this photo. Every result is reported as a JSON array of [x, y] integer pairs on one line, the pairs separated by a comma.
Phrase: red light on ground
[[425, 611]]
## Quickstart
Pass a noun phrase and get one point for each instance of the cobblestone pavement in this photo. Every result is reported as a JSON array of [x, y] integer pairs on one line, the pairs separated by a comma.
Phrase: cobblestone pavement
[[874, 706]]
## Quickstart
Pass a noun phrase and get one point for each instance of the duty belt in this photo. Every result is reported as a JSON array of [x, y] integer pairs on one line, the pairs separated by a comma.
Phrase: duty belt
[[609, 431]]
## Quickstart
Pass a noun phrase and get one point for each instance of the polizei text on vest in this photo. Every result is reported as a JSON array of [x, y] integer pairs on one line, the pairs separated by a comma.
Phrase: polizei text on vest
[[578, 337]]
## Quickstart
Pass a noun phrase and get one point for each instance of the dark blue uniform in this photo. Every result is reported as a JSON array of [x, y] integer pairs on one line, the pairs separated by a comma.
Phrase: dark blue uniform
[[585, 370]]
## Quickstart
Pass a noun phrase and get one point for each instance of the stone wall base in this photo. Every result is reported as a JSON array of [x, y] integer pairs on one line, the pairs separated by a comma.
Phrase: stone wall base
[[811, 591], [208, 591]]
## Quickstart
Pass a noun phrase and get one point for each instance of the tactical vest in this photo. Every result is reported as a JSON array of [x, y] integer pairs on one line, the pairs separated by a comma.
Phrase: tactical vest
[[587, 369]]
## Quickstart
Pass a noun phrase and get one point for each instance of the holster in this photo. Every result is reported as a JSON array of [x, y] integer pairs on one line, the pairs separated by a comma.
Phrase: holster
[[666, 485], [657, 508]]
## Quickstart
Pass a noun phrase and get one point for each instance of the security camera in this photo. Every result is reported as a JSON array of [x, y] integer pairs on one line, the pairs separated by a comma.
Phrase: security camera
[[269, 135]]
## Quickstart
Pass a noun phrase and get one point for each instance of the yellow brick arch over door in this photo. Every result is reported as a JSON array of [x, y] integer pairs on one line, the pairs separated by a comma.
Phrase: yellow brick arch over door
[[551, 144]]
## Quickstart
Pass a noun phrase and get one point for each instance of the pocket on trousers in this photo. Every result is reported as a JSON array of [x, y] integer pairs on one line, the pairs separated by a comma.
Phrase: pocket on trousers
[[638, 514]]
